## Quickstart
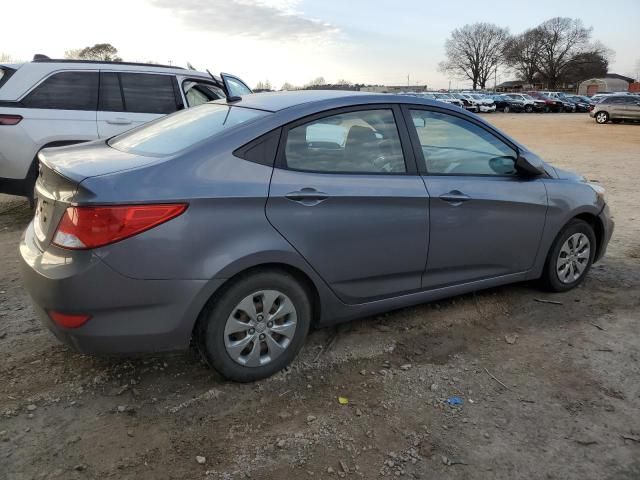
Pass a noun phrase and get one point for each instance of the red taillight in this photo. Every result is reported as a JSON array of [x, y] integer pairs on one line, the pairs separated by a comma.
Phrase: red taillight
[[92, 227], [10, 119], [68, 320]]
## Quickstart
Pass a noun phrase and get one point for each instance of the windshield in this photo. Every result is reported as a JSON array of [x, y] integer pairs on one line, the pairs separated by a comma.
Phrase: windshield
[[183, 129]]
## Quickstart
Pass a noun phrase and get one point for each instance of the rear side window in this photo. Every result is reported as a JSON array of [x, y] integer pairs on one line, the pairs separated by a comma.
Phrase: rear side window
[[173, 133], [65, 91], [148, 93], [356, 142]]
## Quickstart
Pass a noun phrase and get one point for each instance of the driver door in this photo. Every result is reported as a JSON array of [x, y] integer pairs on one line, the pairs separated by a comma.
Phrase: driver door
[[486, 220]]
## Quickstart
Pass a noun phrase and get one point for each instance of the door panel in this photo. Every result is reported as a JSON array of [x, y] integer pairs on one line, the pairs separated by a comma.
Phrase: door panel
[[114, 123], [486, 220], [128, 100], [495, 231], [366, 235]]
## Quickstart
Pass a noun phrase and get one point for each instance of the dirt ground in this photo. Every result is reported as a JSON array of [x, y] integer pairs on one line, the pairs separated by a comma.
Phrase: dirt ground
[[550, 391]]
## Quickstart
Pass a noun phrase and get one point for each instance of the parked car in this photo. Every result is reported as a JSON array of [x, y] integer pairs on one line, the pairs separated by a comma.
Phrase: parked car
[[49, 103], [550, 104], [468, 102], [485, 104], [616, 108], [240, 224], [580, 104], [446, 98], [567, 105], [530, 104], [507, 104]]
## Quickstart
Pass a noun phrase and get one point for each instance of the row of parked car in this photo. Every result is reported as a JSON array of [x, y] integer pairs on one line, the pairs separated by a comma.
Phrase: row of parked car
[[526, 101]]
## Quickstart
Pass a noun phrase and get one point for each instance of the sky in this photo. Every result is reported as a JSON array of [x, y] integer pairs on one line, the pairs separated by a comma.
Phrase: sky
[[386, 42]]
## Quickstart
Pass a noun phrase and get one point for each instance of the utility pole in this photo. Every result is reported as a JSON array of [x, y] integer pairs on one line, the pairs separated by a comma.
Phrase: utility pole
[[408, 84]]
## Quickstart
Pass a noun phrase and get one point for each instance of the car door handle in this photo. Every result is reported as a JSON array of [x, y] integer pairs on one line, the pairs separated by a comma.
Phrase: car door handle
[[307, 196], [455, 197], [119, 121]]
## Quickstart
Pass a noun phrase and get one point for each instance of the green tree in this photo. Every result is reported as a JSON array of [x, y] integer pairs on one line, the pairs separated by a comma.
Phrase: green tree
[[104, 52]]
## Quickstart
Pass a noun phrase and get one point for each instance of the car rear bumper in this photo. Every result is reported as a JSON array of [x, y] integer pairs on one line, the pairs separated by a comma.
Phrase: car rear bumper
[[127, 315], [608, 226]]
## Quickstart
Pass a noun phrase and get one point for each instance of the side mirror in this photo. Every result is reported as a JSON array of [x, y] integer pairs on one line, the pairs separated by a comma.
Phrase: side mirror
[[419, 122], [530, 165]]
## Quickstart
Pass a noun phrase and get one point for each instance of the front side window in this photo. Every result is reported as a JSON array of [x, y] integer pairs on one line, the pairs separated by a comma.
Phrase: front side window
[[183, 129], [198, 93], [236, 87], [148, 93], [454, 146], [65, 91], [356, 142]]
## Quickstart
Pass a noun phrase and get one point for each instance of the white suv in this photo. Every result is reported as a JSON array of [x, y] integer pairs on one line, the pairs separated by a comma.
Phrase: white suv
[[52, 103]]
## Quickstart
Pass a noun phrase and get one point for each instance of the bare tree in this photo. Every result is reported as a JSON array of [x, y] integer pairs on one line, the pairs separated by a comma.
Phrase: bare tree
[[288, 86], [316, 82], [562, 40], [474, 52], [73, 54], [522, 53], [342, 81], [6, 58]]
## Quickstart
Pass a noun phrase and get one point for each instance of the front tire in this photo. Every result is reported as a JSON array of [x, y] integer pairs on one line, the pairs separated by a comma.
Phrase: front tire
[[528, 108], [570, 257], [506, 109], [256, 326], [602, 118]]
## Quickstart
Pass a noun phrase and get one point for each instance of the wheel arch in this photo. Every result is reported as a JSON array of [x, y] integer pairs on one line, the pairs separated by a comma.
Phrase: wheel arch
[[295, 271], [598, 229]]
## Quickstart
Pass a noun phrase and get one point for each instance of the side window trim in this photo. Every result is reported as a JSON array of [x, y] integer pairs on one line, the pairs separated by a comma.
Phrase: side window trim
[[405, 143], [417, 148]]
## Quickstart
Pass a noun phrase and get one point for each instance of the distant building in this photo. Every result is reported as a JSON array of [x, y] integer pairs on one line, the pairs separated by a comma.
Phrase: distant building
[[611, 82]]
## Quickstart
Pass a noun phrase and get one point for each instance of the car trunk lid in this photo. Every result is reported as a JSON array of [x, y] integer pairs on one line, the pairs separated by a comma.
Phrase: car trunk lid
[[63, 169]]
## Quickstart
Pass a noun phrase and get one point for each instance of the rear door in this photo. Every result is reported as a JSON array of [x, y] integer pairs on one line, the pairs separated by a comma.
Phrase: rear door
[[486, 219], [62, 107], [130, 99], [346, 194]]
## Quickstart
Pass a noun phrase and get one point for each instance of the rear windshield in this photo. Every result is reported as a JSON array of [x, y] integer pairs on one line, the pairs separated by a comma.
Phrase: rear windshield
[[183, 129]]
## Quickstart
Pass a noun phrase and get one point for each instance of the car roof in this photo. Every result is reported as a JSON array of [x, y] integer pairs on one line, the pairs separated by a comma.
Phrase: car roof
[[319, 99]]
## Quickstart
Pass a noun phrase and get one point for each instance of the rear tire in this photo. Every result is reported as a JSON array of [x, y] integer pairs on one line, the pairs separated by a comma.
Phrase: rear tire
[[570, 257], [602, 118], [244, 334]]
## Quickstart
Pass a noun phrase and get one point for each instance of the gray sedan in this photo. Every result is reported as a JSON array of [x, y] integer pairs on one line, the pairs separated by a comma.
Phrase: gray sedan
[[239, 225]]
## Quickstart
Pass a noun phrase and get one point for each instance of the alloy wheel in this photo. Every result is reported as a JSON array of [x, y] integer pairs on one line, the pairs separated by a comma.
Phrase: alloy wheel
[[573, 258], [602, 117], [260, 328]]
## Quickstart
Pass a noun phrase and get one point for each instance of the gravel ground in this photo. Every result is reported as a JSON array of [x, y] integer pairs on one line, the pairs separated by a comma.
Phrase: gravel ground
[[549, 390]]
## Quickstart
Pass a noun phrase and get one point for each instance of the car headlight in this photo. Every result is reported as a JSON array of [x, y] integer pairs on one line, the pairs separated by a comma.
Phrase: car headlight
[[599, 189]]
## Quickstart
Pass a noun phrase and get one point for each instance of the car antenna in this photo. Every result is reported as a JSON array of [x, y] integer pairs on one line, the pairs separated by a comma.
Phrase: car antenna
[[230, 98]]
